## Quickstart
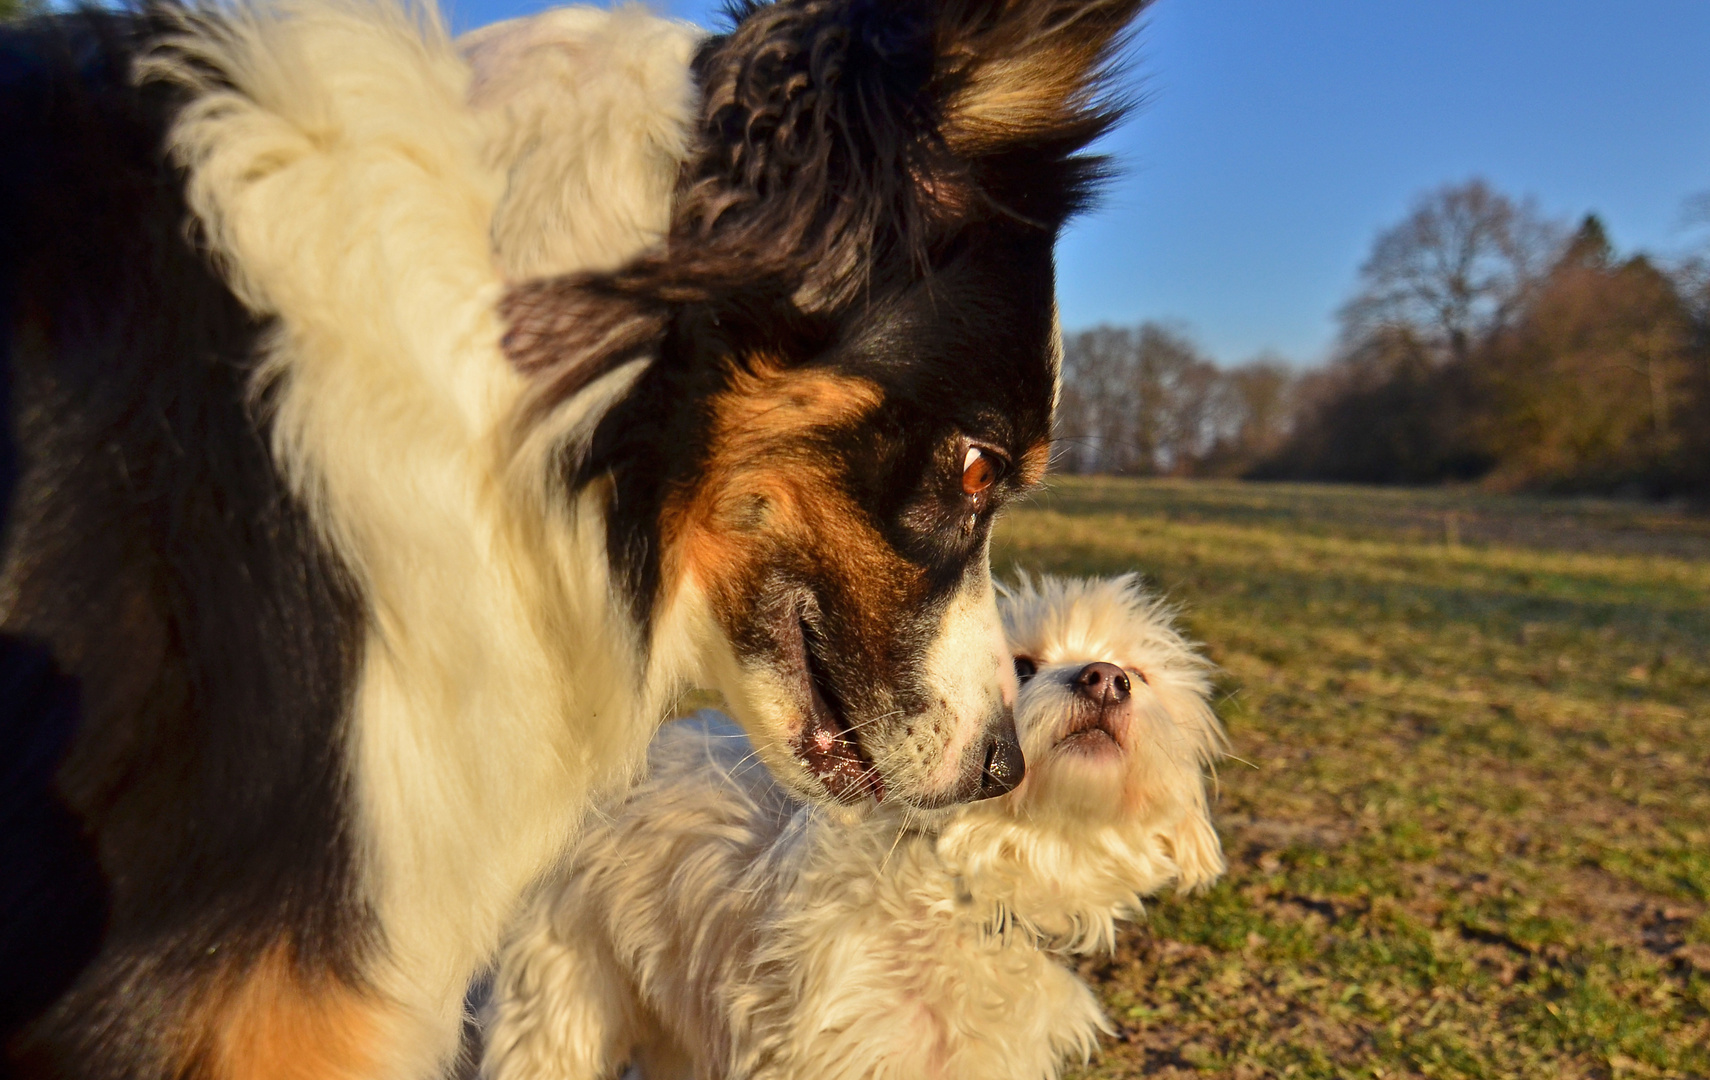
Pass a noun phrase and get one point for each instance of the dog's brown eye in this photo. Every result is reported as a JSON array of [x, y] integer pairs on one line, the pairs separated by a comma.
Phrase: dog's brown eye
[[1024, 668], [980, 470]]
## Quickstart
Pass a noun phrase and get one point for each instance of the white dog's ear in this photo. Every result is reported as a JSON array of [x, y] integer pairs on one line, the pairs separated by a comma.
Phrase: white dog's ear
[[1197, 851]]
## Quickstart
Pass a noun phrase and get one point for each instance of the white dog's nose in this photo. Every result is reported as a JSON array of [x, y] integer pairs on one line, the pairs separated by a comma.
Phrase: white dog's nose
[[1103, 683]]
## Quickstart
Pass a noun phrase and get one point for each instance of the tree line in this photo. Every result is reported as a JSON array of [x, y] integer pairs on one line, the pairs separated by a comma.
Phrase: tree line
[[1485, 342]]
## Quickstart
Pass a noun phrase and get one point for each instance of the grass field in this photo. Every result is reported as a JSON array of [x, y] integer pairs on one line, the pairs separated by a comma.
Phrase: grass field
[[1470, 831]]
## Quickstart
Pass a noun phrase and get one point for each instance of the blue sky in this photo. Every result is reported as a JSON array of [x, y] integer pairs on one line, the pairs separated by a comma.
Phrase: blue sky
[[1279, 137]]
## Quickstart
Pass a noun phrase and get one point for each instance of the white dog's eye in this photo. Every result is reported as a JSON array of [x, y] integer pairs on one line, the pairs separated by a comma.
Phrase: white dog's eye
[[1025, 668], [1141, 675]]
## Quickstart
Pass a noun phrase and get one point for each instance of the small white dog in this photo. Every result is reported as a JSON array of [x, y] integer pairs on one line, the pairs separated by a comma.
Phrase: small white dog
[[715, 927]]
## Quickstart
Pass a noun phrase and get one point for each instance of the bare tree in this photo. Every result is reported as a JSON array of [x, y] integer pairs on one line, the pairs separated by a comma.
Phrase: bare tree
[[1097, 427], [1259, 405], [1455, 271], [1178, 389], [1138, 401]]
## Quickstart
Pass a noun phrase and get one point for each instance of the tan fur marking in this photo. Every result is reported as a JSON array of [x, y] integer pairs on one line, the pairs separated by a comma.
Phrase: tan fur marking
[[1034, 461], [1012, 100], [276, 1021], [762, 480], [1025, 80]]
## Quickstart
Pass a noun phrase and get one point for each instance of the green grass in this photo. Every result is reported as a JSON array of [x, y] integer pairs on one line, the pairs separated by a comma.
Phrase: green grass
[[1469, 835]]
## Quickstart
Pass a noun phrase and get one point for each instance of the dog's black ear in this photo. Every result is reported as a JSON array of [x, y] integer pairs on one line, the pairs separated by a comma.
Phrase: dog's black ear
[[567, 332], [818, 122], [839, 143], [840, 139]]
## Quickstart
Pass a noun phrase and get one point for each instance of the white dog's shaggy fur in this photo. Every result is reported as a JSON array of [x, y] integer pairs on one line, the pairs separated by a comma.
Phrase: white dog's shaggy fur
[[716, 927]]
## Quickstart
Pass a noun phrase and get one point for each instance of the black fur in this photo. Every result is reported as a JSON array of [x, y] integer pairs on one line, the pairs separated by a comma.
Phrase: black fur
[[208, 640]]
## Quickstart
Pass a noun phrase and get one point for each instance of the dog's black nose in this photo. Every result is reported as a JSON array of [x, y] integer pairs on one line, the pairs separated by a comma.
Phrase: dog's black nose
[[1004, 768], [1102, 683]]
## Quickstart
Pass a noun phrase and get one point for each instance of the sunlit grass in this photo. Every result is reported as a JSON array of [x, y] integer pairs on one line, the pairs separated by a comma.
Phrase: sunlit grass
[[1471, 833]]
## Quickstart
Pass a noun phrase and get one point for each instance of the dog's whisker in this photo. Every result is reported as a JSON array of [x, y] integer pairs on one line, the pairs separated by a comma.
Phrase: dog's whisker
[[908, 813]]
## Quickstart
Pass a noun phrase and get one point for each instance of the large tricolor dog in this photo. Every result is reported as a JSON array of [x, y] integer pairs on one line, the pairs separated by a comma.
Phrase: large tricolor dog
[[391, 428]]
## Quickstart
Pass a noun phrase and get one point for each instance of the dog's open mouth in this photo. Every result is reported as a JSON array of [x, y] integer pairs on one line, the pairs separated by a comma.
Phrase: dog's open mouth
[[826, 745], [1092, 731]]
